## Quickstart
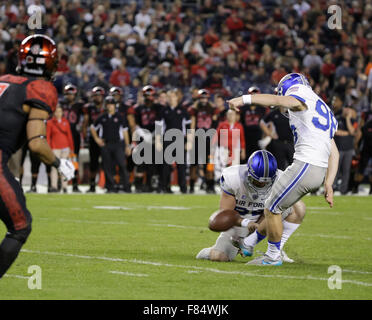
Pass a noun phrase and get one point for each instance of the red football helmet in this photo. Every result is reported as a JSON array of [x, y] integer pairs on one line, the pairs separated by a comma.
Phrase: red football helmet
[[149, 92], [116, 90], [38, 56], [254, 89], [69, 88], [98, 91], [110, 100], [203, 93]]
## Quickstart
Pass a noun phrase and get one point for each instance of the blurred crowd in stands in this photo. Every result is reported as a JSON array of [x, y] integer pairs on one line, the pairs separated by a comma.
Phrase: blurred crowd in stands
[[189, 57]]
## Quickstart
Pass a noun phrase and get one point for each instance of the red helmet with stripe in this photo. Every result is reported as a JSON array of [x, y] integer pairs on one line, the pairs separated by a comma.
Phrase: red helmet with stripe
[[149, 92], [38, 56], [116, 90], [70, 88], [203, 93], [98, 91], [254, 89]]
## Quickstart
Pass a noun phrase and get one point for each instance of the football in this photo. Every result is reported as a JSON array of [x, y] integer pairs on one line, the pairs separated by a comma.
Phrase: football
[[223, 220]]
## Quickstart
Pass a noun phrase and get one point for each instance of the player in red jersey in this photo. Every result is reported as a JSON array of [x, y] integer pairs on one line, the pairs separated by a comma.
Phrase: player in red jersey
[[26, 101], [204, 116]]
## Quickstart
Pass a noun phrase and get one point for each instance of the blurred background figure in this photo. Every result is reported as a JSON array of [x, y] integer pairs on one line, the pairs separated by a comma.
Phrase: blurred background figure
[[174, 116], [344, 138], [72, 107], [92, 111], [230, 144], [365, 147], [60, 139], [250, 117], [204, 117], [110, 132], [145, 115], [276, 126]]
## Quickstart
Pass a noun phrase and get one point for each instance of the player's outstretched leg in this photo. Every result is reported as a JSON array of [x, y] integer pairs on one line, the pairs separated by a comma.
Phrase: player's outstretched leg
[[10, 248], [14, 214], [274, 234]]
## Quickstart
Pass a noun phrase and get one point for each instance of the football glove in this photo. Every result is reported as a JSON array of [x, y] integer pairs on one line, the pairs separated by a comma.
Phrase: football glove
[[67, 169]]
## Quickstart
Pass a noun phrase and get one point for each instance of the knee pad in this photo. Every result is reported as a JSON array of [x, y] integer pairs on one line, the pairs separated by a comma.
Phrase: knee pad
[[20, 235]]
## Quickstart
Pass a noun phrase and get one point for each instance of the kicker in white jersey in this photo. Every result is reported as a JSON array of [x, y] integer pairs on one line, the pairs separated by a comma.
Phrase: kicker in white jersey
[[313, 128]]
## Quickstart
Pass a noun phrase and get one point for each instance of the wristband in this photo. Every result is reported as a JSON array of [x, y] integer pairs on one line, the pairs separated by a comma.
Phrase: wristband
[[56, 163], [247, 99], [245, 223]]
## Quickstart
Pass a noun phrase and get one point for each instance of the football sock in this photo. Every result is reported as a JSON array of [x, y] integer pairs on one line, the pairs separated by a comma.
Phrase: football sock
[[33, 180], [273, 250], [192, 184], [9, 250], [288, 229], [253, 239], [92, 182], [75, 179]]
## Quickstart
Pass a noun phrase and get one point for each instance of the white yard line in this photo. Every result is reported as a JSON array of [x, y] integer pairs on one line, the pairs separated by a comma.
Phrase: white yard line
[[16, 276], [122, 223], [214, 270], [129, 274], [356, 271]]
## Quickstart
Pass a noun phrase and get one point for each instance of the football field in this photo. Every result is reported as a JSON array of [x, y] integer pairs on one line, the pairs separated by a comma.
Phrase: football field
[[143, 246]]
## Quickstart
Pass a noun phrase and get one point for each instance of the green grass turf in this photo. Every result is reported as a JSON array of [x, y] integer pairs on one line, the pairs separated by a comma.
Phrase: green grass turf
[[71, 241]]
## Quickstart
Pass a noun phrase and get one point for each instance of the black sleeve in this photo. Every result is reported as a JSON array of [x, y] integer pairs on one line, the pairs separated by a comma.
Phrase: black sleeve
[[124, 122], [98, 121], [268, 117]]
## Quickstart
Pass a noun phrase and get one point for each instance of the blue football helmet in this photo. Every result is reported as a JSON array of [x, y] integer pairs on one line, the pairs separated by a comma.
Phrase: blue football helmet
[[262, 168], [290, 80]]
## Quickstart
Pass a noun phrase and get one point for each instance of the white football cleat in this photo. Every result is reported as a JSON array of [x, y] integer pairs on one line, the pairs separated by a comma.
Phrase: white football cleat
[[265, 261], [204, 254], [285, 258]]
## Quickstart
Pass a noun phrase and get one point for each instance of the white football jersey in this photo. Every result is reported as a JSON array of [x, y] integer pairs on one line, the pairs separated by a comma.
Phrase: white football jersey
[[250, 201], [313, 129]]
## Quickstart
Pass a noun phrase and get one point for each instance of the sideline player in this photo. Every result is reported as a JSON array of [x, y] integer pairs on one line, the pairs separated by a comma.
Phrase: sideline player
[[245, 189], [315, 159], [25, 104]]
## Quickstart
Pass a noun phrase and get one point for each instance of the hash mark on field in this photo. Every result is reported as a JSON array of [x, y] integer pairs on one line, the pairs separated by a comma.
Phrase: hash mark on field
[[111, 208], [129, 274], [92, 222], [141, 207], [160, 264], [330, 213], [175, 226]]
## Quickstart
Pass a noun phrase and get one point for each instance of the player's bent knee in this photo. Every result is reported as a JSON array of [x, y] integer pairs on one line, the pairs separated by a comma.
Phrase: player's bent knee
[[20, 235], [218, 256], [298, 214]]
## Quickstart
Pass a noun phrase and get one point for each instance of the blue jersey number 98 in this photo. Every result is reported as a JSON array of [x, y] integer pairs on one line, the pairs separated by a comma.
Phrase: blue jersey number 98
[[327, 117]]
